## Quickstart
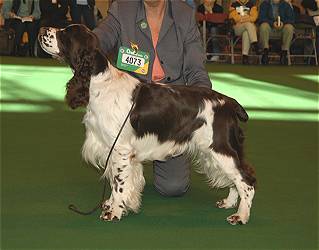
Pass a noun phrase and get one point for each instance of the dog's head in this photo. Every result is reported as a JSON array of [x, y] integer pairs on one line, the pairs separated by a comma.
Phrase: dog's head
[[79, 47], [76, 44]]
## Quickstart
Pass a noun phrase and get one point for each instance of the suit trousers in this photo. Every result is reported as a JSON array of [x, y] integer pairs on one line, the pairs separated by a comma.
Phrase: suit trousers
[[172, 177], [248, 33], [286, 35], [20, 27], [85, 11]]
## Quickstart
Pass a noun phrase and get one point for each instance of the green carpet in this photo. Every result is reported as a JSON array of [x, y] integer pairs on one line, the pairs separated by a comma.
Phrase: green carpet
[[42, 171]]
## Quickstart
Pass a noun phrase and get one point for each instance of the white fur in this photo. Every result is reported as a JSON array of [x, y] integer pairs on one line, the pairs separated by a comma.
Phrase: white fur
[[245, 192], [110, 102]]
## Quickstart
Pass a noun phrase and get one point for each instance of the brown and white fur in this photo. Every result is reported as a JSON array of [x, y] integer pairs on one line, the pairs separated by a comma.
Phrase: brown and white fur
[[167, 120]]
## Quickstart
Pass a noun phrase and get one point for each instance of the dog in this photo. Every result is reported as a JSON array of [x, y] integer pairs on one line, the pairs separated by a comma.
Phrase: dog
[[165, 121]]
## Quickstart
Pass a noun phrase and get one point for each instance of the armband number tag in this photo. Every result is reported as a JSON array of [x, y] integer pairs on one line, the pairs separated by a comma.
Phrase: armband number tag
[[133, 60]]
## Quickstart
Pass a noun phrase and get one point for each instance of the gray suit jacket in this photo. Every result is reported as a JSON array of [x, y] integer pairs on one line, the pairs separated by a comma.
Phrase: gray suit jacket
[[179, 45]]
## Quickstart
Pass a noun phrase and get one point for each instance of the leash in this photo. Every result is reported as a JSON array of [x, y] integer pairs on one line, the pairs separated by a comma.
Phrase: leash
[[72, 207]]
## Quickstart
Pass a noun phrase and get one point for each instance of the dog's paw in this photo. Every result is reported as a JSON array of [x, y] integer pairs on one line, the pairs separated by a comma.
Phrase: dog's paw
[[111, 212], [224, 204], [237, 219], [109, 216]]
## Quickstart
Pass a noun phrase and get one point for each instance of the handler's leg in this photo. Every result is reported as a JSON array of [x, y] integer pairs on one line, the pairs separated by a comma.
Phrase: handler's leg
[[172, 177]]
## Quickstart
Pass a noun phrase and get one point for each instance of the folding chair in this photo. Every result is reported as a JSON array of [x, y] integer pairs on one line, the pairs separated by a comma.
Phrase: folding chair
[[276, 55], [219, 19], [234, 42], [306, 32]]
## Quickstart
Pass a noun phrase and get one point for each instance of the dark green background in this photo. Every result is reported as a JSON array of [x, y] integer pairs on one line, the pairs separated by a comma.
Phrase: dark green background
[[42, 172]]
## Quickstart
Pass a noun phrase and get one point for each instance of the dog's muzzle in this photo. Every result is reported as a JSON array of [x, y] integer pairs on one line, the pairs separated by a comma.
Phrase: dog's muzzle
[[48, 40]]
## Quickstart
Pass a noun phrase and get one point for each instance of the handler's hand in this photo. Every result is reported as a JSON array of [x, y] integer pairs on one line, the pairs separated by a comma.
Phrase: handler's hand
[[278, 27], [245, 19], [12, 15]]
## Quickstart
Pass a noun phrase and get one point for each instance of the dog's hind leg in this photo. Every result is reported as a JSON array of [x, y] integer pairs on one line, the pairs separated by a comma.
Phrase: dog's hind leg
[[217, 178], [127, 183], [243, 184], [227, 154]]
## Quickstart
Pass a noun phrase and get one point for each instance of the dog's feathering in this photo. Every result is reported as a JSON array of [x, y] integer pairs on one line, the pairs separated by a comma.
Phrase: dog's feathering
[[167, 120]]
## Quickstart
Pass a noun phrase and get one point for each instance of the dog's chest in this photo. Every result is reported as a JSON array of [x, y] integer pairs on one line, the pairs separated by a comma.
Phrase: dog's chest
[[105, 113]]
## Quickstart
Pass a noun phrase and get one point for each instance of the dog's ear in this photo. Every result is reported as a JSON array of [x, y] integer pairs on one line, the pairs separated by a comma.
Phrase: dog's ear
[[77, 92], [82, 62], [77, 89]]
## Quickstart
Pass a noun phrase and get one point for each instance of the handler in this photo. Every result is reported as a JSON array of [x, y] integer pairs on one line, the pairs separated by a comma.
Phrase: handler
[[164, 33]]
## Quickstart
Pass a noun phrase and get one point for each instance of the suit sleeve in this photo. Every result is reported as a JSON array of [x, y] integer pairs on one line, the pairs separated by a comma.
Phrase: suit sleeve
[[46, 7], [108, 31], [287, 13], [194, 70], [6, 8], [63, 10], [253, 15], [263, 11]]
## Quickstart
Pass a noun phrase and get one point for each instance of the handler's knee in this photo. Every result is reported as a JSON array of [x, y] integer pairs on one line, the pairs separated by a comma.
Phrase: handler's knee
[[170, 189], [172, 177]]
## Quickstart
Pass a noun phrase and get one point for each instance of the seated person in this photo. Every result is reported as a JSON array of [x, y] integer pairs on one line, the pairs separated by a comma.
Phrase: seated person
[[1, 17], [312, 9], [276, 18], [21, 16], [311, 6], [191, 3], [244, 13], [210, 6], [85, 9], [53, 14]]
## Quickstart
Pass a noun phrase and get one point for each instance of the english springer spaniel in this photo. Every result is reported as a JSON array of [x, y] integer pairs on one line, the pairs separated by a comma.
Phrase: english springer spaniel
[[166, 120]]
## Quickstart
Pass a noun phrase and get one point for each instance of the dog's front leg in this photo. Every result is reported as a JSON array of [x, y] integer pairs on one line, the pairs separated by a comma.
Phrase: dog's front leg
[[127, 182]]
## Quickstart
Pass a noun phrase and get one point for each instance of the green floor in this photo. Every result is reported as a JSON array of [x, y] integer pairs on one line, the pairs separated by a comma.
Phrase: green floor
[[42, 171]]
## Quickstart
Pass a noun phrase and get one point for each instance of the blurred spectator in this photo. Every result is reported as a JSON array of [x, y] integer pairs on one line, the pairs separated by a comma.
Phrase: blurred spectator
[[312, 9], [1, 17], [190, 3], [83, 9], [53, 14], [98, 17], [244, 13], [296, 9], [311, 6], [211, 6], [276, 19], [21, 16]]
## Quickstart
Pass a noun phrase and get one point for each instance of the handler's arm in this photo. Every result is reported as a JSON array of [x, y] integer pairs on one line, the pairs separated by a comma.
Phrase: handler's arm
[[194, 58], [109, 29]]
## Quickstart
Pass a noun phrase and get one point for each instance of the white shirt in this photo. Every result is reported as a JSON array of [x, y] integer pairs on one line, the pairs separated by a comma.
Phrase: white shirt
[[82, 2]]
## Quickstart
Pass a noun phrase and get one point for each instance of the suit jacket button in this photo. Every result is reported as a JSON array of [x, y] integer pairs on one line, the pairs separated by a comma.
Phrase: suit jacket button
[[168, 78]]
